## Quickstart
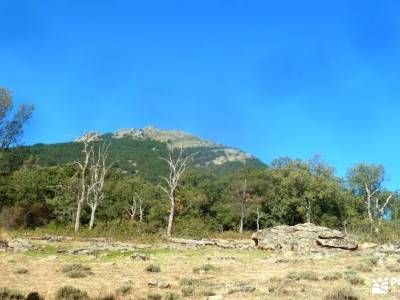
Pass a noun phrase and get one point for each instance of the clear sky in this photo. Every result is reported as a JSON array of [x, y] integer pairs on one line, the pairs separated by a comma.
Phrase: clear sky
[[274, 78]]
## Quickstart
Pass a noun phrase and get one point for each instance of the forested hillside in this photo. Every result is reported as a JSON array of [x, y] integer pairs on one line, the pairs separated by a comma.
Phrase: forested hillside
[[155, 181]]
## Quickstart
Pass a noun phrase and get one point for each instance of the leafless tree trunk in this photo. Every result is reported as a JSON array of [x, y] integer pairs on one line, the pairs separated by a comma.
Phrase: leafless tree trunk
[[309, 209], [242, 203], [259, 215], [380, 209], [177, 167], [83, 178], [98, 171], [132, 209], [137, 203]]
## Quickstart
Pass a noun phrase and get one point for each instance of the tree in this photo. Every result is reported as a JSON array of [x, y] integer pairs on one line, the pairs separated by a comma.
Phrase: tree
[[242, 202], [367, 180], [177, 167], [83, 191], [11, 127], [136, 204], [98, 171]]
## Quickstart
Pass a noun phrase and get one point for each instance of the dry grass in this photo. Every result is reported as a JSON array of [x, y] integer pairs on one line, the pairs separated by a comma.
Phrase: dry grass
[[248, 275]]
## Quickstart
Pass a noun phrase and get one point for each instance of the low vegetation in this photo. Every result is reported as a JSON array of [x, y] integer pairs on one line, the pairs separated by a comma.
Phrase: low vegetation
[[76, 270]]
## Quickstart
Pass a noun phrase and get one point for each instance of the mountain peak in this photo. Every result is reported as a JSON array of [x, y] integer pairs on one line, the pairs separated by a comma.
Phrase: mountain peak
[[213, 153]]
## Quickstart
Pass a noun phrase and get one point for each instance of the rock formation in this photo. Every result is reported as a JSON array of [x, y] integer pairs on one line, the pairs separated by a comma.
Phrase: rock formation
[[302, 237]]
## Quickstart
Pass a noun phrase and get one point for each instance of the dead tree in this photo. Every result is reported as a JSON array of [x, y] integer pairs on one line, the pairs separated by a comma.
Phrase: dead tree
[[98, 171], [380, 209], [84, 169], [177, 167], [131, 210], [137, 203], [242, 203]]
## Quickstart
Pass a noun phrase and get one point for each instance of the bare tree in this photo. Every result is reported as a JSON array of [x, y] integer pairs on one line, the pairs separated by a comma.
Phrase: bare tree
[[242, 203], [98, 171], [379, 208], [177, 167], [83, 191], [309, 209], [257, 208], [131, 210], [136, 204]]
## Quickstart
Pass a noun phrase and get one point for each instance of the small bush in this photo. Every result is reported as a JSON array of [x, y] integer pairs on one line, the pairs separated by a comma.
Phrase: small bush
[[153, 269], [11, 294], [154, 296], [354, 279], [71, 293], [124, 289], [363, 268], [106, 297], [21, 271], [303, 275], [172, 296], [204, 268], [342, 294], [76, 271], [34, 296], [188, 292], [333, 276], [393, 268], [207, 293], [190, 281], [371, 261]]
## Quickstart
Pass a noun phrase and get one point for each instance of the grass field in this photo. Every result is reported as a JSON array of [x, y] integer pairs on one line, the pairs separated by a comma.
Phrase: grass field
[[193, 274]]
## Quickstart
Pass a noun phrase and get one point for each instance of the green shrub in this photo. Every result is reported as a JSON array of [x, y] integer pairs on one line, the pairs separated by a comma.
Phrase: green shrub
[[332, 276], [76, 271], [188, 292], [172, 296], [153, 296], [125, 288], [303, 275], [354, 279], [11, 294], [71, 293], [191, 281], [342, 294], [363, 268], [153, 268], [371, 261]]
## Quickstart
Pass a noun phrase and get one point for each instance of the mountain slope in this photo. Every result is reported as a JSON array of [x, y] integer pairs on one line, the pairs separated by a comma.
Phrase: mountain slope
[[136, 151]]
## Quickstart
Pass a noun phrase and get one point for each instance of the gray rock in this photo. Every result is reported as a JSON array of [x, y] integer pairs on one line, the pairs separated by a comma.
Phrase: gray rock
[[20, 245], [302, 237]]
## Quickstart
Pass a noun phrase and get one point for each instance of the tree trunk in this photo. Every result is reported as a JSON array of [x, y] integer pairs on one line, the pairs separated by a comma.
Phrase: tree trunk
[[78, 216], [258, 219], [92, 214], [308, 211], [241, 222], [171, 217]]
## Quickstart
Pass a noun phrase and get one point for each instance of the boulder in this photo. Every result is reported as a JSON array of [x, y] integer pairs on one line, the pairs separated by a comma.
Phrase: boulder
[[20, 245], [302, 237]]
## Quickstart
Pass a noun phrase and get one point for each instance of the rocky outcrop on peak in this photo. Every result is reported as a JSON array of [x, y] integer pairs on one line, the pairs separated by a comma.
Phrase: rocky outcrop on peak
[[93, 136], [302, 237], [175, 138]]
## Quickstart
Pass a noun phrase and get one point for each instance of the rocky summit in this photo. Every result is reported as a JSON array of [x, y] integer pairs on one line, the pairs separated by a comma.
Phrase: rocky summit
[[302, 237]]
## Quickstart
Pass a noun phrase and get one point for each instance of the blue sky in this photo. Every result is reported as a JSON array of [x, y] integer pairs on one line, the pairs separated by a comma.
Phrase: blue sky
[[274, 78]]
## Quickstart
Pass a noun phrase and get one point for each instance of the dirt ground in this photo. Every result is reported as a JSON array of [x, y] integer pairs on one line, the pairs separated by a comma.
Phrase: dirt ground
[[228, 273]]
